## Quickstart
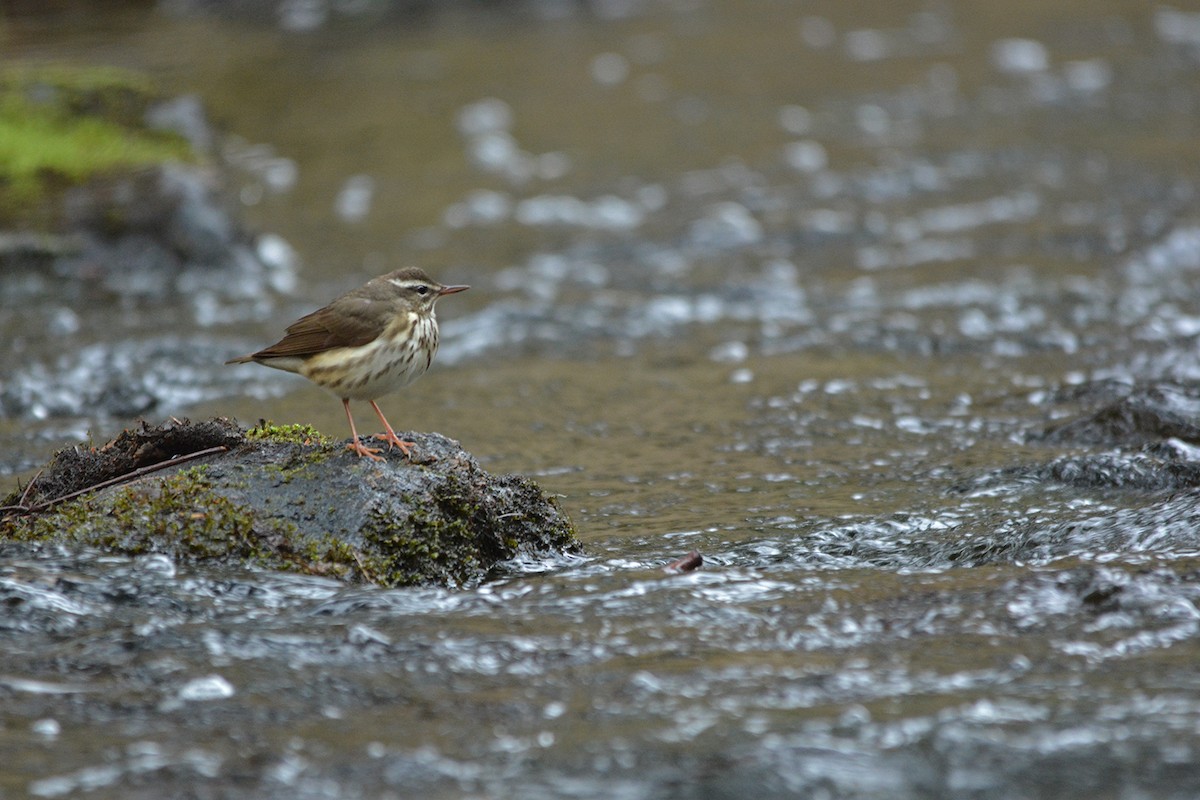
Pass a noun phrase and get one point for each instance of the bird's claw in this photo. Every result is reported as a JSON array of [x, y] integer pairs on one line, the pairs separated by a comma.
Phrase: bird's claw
[[395, 441], [361, 449]]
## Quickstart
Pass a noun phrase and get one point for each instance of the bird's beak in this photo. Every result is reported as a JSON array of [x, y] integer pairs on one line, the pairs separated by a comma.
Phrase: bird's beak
[[452, 289]]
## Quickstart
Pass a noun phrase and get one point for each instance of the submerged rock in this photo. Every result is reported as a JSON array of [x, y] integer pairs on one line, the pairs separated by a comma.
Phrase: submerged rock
[[1134, 415], [111, 182], [1136, 438], [289, 498], [118, 200], [1157, 469]]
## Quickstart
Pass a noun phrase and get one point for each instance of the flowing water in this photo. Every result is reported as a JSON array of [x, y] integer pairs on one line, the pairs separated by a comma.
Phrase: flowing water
[[888, 310]]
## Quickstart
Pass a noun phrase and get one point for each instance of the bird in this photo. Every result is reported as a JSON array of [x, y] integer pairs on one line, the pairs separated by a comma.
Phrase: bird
[[370, 342]]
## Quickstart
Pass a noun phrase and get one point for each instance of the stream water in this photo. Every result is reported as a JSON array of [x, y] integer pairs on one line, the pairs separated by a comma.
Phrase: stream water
[[888, 310]]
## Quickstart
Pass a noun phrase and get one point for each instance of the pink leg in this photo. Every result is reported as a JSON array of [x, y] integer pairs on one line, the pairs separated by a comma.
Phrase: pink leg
[[355, 444], [390, 437]]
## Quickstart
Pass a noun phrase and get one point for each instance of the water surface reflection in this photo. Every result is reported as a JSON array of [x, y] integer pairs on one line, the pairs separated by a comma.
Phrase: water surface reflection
[[890, 313]]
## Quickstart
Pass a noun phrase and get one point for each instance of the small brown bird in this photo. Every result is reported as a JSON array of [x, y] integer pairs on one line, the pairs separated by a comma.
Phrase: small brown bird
[[367, 343]]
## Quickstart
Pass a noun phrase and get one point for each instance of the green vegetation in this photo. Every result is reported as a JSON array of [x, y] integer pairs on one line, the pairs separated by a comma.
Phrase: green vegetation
[[447, 536], [287, 498], [294, 434], [60, 126], [314, 447], [183, 517]]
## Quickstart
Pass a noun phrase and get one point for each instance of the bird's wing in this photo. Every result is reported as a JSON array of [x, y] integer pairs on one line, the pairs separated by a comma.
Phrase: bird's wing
[[346, 322]]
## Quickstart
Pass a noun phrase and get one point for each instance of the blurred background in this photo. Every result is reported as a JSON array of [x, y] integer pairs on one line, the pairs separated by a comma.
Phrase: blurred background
[[889, 309]]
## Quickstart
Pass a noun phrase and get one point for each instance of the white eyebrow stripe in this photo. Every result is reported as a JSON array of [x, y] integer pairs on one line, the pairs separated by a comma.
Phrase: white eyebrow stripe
[[399, 284]]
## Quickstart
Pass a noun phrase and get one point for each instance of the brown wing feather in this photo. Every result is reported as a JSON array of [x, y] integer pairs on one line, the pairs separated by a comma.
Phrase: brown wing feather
[[346, 322]]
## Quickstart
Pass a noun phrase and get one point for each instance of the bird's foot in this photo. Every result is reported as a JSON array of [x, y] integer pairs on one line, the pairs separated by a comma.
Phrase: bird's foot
[[361, 449], [395, 441]]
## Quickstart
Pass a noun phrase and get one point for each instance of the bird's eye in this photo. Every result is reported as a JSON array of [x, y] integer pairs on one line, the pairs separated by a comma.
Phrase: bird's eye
[[422, 290]]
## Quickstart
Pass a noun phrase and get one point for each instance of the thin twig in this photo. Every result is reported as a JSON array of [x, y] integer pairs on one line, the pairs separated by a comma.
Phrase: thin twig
[[24, 495], [29, 487], [128, 476], [20, 506], [362, 568]]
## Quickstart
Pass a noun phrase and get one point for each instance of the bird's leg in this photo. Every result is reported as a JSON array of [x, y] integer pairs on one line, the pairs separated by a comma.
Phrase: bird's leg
[[390, 437], [355, 444]]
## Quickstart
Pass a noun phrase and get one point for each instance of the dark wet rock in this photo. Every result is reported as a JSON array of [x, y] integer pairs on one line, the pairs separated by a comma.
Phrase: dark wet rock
[[129, 192], [136, 231], [139, 188], [1125, 415], [1166, 525], [151, 235], [1151, 470], [1139, 471], [1148, 435], [288, 498], [184, 115]]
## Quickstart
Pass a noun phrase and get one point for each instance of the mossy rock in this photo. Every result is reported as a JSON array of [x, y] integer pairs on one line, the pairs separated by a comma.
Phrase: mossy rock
[[103, 175], [286, 497], [64, 126]]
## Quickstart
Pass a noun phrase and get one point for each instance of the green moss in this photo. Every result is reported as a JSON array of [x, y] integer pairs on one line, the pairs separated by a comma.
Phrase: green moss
[[179, 515], [85, 87], [231, 510], [334, 558], [313, 448], [446, 541], [62, 125], [294, 434]]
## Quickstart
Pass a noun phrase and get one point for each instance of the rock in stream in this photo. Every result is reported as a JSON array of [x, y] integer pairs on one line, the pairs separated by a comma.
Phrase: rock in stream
[[289, 498]]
